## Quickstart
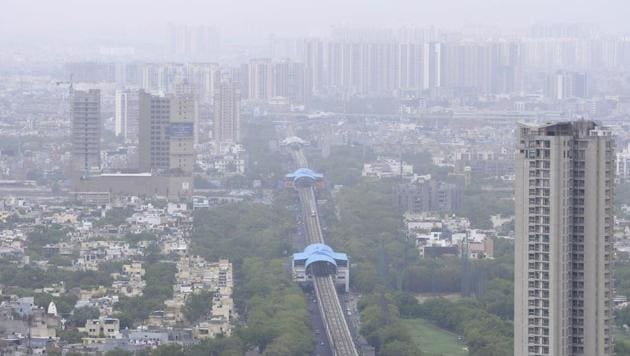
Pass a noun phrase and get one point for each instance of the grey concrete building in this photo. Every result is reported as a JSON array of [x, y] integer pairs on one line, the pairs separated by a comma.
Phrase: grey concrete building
[[424, 194], [564, 240], [98, 189], [227, 112], [166, 134], [86, 130], [260, 79]]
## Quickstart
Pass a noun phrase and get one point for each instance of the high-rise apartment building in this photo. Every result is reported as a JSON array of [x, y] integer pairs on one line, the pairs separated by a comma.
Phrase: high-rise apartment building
[[289, 81], [410, 69], [260, 79], [126, 115], [227, 117], [314, 62], [193, 42], [432, 65], [564, 240], [166, 134], [86, 130], [563, 85], [204, 78]]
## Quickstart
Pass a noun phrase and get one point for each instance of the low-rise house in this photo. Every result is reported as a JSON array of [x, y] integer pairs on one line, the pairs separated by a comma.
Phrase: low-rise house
[[387, 168], [102, 328], [446, 235]]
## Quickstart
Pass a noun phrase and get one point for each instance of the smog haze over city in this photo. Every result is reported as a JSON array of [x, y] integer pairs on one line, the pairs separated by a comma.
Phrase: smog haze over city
[[325, 178], [120, 21]]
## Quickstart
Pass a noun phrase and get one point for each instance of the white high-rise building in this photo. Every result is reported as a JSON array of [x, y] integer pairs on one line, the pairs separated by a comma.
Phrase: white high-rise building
[[126, 115], [563, 273], [432, 65], [260, 79], [193, 42]]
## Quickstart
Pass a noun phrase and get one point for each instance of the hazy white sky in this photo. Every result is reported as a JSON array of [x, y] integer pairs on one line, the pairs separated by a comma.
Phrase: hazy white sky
[[54, 19]]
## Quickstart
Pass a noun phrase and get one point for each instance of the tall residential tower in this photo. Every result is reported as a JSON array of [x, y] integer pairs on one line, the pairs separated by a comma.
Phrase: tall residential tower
[[564, 240], [126, 115], [227, 116], [86, 130], [166, 134]]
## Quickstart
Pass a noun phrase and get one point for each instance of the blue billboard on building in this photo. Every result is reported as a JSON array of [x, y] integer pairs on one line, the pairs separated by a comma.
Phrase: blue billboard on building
[[180, 129]]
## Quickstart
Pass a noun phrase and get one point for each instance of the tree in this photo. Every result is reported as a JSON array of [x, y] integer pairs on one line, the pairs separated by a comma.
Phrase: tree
[[622, 277], [278, 321], [115, 216], [398, 347], [263, 163], [169, 350], [222, 346], [64, 303], [159, 277], [485, 333], [499, 298], [369, 229], [344, 164], [478, 205], [71, 335], [622, 347], [422, 162], [134, 238], [236, 231], [197, 306], [81, 315], [59, 260]]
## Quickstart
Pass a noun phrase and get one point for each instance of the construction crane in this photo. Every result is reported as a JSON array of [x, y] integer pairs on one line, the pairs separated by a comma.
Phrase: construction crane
[[70, 84], [65, 101]]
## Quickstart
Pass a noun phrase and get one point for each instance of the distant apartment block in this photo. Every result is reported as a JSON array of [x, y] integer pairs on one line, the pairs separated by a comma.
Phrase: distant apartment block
[[387, 168], [126, 115], [423, 194], [227, 116], [166, 134], [86, 130]]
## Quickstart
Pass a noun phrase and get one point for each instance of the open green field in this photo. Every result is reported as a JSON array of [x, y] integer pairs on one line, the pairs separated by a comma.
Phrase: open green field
[[433, 340], [621, 335]]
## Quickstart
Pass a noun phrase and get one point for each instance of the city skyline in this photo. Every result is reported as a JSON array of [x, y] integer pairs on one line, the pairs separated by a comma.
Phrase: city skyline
[[317, 178], [284, 18]]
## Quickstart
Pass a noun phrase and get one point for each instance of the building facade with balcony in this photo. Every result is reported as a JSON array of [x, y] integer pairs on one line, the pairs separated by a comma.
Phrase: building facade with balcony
[[564, 240]]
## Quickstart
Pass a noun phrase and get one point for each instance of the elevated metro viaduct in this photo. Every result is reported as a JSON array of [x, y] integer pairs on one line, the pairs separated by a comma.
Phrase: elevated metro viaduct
[[320, 260]]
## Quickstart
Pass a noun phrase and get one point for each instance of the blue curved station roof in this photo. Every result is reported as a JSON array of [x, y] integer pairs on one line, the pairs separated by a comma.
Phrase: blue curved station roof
[[304, 173], [294, 140], [318, 253]]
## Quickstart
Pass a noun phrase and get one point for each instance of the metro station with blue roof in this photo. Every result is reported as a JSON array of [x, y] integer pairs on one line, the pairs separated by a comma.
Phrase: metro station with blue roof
[[304, 177], [320, 259]]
